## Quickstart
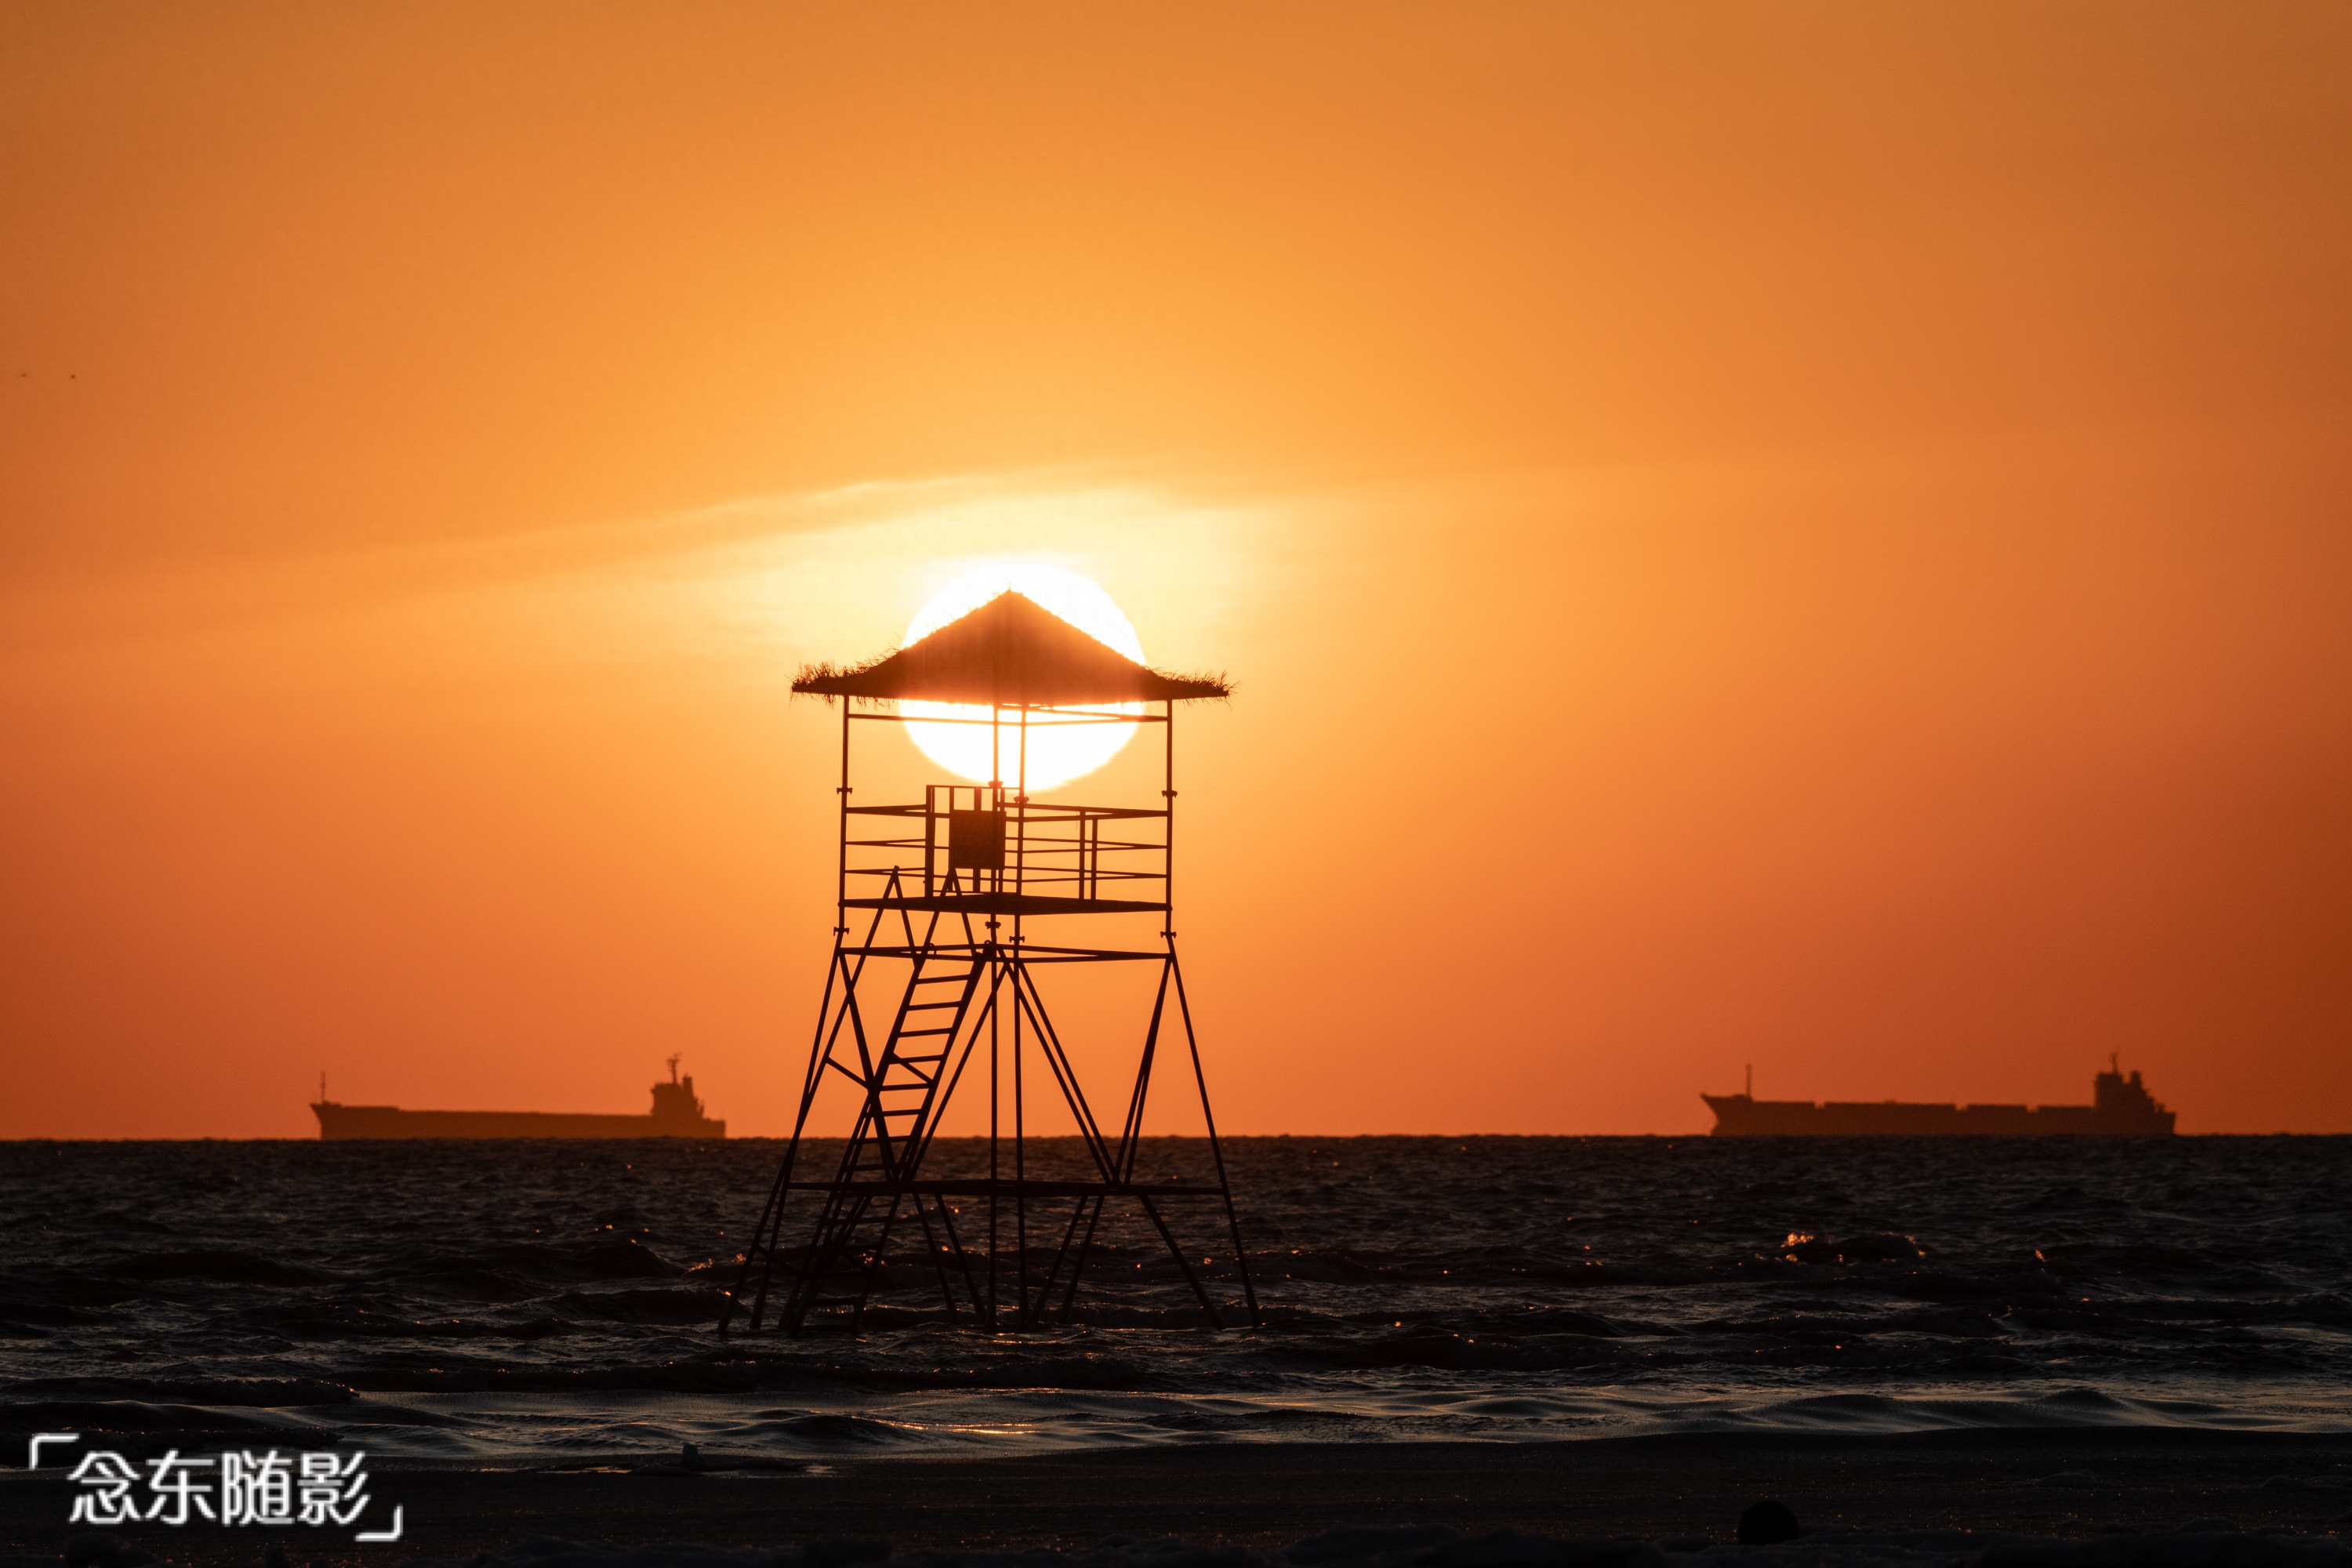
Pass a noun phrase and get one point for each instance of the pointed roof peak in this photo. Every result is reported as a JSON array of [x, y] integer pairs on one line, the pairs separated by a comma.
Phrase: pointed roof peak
[[1011, 652]]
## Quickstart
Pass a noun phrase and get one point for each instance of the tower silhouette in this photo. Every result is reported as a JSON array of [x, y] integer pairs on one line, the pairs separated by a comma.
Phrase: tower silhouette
[[935, 981]]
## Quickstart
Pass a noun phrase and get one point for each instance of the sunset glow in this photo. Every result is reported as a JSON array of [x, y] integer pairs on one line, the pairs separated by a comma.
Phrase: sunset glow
[[1803, 536], [1050, 748]]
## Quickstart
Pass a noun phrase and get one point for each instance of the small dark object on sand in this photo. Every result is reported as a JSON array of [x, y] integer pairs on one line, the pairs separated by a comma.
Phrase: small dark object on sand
[[1767, 1523]]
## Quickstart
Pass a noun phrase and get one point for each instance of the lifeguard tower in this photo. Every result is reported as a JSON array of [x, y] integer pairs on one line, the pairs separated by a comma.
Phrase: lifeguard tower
[[951, 909]]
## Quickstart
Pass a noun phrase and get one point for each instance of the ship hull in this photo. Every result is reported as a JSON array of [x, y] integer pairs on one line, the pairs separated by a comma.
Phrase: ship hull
[[1738, 1116], [341, 1122]]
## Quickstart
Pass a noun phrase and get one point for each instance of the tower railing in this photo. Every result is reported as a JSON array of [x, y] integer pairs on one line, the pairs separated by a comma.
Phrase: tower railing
[[998, 843]]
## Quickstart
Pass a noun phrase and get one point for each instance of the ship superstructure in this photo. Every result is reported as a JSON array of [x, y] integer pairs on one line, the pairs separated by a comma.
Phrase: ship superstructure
[[2121, 1106], [677, 1114]]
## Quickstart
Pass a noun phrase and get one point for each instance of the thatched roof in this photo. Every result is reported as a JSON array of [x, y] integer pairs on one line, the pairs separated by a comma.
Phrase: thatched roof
[[1010, 652]]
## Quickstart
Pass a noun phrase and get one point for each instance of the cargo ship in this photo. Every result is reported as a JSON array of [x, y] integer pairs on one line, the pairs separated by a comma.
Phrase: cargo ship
[[675, 1114], [2120, 1107]]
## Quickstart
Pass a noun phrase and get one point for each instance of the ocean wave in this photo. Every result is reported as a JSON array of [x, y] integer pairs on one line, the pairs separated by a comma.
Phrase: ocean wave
[[1475, 1287], [258, 1392], [696, 1305], [215, 1266], [833, 1432]]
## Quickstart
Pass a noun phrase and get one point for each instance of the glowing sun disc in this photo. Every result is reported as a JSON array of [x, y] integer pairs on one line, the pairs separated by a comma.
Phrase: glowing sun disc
[[1058, 750]]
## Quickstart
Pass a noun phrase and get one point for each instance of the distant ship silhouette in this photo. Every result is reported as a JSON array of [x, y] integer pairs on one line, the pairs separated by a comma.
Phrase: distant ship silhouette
[[675, 1114], [2120, 1107]]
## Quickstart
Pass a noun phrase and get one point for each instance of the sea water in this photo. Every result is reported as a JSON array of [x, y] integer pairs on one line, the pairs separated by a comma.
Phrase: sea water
[[528, 1301]]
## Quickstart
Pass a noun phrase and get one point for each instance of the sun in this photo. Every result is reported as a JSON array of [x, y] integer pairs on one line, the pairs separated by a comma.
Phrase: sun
[[1057, 750]]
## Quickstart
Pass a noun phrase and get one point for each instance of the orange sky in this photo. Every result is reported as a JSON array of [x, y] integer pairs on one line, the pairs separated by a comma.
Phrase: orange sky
[[1810, 534]]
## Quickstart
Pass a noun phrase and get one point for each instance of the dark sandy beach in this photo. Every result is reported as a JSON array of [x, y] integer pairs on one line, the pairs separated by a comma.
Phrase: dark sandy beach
[[1274, 1495]]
